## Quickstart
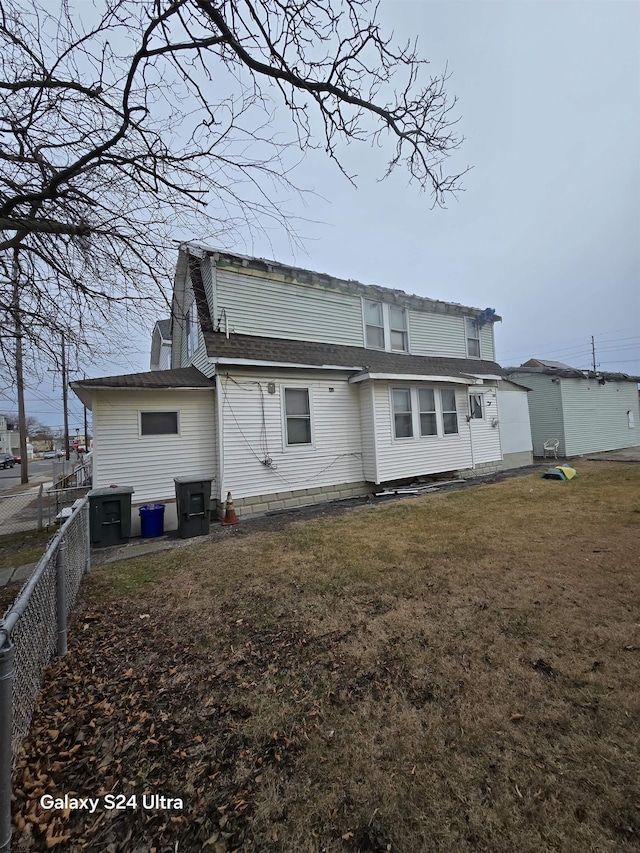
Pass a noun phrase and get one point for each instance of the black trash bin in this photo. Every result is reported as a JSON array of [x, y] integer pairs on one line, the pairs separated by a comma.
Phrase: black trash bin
[[110, 515], [193, 504]]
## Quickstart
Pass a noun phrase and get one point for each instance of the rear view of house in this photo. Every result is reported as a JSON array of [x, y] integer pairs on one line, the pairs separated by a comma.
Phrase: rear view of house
[[289, 387]]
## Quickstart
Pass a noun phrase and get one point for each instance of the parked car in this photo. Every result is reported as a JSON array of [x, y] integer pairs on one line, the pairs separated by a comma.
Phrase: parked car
[[53, 454], [17, 459], [6, 460]]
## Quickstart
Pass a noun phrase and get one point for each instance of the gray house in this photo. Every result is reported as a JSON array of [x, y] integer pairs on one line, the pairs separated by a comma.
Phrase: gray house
[[586, 411]]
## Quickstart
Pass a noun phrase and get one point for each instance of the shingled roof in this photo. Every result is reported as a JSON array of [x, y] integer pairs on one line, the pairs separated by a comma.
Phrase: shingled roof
[[255, 350]]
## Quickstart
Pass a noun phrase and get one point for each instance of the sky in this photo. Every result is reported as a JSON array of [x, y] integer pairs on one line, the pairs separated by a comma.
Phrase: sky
[[547, 230]]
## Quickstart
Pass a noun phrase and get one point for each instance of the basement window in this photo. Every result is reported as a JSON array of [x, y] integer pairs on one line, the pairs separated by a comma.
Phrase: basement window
[[158, 423]]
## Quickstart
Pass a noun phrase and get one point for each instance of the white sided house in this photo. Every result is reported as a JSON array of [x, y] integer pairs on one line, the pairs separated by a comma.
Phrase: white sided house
[[586, 411], [289, 387]]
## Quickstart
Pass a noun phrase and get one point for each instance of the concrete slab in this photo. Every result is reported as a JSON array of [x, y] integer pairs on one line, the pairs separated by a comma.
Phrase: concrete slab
[[5, 576], [23, 573]]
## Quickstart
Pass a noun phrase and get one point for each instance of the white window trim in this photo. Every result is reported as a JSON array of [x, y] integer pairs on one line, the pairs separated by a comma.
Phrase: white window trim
[[283, 407], [386, 325], [468, 337], [160, 435], [415, 414]]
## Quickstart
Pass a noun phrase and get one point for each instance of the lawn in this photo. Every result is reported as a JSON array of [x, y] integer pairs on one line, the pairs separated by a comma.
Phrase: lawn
[[454, 672]]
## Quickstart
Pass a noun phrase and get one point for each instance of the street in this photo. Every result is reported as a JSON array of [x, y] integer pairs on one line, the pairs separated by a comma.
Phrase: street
[[10, 477]]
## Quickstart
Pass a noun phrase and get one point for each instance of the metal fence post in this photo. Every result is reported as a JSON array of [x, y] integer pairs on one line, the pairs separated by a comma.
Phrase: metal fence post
[[61, 596], [40, 491], [7, 654], [86, 536]]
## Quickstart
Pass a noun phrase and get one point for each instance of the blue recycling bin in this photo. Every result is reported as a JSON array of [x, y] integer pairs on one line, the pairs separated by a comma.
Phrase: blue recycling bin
[[151, 520]]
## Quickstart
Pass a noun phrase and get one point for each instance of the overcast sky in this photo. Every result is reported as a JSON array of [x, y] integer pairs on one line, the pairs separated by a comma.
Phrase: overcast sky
[[547, 231]]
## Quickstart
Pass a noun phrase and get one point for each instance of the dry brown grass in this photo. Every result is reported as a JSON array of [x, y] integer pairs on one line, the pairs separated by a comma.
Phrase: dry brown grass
[[446, 673]]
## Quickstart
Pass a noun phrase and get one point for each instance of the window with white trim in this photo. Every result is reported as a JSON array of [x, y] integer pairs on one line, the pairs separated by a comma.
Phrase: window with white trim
[[398, 329], [476, 407], [297, 416], [159, 423], [385, 326], [374, 324], [402, 414], [449, 411], [473, 337], [428, 413]]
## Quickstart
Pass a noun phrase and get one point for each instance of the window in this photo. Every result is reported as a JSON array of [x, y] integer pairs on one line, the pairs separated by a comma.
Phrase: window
[[374, 324], [386, 326], [473, 337], [297, 411], [427, 408], [475, 406], [398, 327], [449, 411], [158, 423], [402, 417]]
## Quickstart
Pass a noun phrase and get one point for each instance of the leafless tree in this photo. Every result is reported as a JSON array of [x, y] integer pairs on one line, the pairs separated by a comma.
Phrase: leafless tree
[[130, 124]]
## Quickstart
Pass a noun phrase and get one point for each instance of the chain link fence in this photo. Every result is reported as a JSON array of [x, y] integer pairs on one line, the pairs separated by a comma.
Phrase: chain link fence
[[33, 628], [39, 508]]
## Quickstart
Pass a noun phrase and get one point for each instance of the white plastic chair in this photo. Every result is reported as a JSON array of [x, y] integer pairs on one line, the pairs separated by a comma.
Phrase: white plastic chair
[[551, 445]]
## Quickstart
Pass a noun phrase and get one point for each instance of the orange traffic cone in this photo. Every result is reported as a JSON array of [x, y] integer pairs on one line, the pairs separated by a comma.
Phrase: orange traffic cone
[[230, 516]]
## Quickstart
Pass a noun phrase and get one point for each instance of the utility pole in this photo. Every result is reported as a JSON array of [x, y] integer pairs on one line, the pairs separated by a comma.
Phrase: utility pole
[[65, 395], [593, 351], [17, 319]]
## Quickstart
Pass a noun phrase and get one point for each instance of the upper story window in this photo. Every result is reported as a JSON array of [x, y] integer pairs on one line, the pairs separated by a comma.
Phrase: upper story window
[[374, 324], [473, 337], [297, 415], [386, 326]]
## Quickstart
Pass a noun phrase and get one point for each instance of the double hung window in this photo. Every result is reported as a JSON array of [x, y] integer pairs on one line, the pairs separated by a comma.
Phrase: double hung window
[[402, 414], [374, 324], [192, 329], [449, 411], [473, 337], [297, 415], [385, 326], [428, 415]]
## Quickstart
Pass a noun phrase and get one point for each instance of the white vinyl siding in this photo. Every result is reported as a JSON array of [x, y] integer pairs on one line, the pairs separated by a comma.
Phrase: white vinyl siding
[[256, 305], [437, 334], [253, 429], [487, 345], [149, 463], [367, 431], [595, 415], [545, 409]]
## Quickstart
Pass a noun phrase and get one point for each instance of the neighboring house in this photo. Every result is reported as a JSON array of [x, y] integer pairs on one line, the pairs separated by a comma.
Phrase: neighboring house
[[161, 345], [8, 436], [587, 412], [289, 387]]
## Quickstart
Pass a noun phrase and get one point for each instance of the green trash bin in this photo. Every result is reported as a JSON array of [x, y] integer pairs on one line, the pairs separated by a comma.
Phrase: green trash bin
[[110, 515], [193, 504]]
